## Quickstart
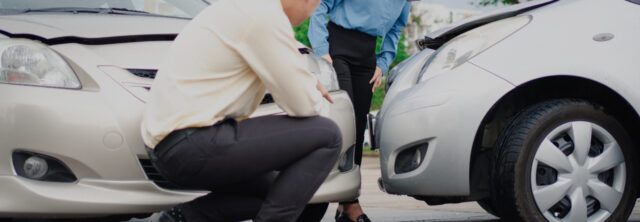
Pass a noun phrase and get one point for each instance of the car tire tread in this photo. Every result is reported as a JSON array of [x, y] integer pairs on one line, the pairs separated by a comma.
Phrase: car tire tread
[[515, 204]]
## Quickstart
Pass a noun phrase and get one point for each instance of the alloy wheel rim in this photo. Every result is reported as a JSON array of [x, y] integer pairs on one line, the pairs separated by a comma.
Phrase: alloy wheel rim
[[578, 173]]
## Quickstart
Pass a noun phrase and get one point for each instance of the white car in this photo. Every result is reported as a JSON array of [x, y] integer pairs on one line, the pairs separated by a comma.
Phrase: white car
[[74, 77], [532, 110]]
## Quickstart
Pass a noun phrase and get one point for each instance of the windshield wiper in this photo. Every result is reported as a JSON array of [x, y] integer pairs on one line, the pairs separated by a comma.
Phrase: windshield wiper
[[67, 9], [117, 11], [76, 10], [126, 11]]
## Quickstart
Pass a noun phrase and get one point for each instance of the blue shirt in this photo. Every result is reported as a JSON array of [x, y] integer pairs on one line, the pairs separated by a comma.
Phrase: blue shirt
[[382, 18]]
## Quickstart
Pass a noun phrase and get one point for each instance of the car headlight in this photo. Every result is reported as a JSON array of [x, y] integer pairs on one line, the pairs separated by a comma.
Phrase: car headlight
[[404, 75], [400, 68], [27, 62], [469, 44], [324, 72]]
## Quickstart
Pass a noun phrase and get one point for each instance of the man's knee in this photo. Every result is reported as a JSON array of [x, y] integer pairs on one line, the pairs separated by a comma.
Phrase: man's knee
[[334, 135]]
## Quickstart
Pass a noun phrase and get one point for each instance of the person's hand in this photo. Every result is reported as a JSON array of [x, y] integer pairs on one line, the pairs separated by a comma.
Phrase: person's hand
[[377, 79], [328, 58], [324, 92]]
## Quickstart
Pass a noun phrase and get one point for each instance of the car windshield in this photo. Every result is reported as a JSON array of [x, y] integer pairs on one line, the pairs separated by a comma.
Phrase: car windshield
[[172, 8]]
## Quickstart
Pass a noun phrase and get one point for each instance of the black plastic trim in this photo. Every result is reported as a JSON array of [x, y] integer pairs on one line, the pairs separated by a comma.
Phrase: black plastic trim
[[151, 74], [93, 41], [350, 156], [156, 177], [403, 164]]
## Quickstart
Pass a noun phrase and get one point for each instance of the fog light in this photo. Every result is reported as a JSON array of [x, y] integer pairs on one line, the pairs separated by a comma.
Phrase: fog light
[[411, 158], [346, 160], [35, 167]]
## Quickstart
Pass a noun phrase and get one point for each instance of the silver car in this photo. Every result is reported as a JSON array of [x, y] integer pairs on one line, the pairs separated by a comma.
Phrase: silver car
[[531, 110], [74, 77]]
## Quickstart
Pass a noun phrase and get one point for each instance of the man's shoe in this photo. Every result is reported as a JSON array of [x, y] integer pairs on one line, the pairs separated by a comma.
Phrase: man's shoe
[[340, 217]]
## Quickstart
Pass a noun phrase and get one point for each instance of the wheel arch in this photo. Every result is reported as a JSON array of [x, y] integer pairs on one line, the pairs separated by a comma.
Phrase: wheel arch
[[532, 92]]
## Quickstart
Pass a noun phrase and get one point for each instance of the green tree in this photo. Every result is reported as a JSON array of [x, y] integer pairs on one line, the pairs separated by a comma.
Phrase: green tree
[[301, 33]]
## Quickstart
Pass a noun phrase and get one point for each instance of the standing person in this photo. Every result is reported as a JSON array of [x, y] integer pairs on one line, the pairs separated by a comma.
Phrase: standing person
[[348, 41], [215, 75]]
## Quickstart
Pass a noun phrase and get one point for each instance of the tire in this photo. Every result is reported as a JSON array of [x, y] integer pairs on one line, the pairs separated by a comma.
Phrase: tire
[[564, 160], [313, 212], [487, 205]]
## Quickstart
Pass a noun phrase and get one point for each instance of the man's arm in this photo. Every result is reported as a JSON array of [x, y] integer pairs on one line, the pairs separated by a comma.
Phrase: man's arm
[[318, 33], [270, 49], [390, 43]]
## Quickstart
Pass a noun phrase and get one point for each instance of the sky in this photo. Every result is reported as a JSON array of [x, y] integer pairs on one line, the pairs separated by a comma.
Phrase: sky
[[463, 4]]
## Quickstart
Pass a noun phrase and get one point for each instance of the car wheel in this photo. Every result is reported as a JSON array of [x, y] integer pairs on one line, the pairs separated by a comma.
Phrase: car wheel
[[487, 205], [313, 212], [564, 160]]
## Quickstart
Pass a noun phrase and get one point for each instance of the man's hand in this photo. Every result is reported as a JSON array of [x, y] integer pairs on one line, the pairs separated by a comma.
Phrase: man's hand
[[377, 79], [324, 92], [328, 58]]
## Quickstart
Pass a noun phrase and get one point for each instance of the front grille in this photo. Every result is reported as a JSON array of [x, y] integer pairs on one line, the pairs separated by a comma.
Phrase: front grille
[[144, 73], [305, 50], [155, 176], [151, 74]]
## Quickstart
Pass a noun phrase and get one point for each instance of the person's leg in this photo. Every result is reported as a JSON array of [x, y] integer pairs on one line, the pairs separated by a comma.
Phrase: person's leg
[[340, 52], [236, 202], [303, 149], [354, 59], [344, 75], [360, 77], [355, 52]]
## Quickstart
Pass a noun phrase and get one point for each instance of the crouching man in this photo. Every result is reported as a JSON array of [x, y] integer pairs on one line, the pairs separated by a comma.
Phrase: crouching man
[[196, 121]]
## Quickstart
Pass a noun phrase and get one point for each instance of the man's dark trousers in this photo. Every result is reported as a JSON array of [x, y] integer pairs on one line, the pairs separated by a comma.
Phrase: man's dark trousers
[[354, 58], [237, 161]]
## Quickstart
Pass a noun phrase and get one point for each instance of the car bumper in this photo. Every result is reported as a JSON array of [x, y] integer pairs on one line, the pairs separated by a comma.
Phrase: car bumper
[[95, 133], [89, 197], [443, 114], [92, 197]]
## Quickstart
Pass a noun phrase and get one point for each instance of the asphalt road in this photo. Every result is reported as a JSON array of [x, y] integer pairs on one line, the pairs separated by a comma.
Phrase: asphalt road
[[382, 207]]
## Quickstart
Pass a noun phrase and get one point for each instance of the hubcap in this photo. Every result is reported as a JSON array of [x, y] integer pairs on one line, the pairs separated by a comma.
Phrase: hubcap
[[578, 173]]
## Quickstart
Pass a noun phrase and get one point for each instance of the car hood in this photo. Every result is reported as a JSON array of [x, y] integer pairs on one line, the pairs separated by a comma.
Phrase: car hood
[[437, 38], [91, 29]]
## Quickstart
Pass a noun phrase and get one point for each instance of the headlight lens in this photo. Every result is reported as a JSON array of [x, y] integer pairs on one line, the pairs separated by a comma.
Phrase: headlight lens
[[324, 72], [28, 62], [469, 44], [406, 72], [405, 75]]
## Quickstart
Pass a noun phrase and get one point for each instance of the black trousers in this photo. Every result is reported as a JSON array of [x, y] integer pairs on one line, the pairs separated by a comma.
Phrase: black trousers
[[354, 58], [237, 162]]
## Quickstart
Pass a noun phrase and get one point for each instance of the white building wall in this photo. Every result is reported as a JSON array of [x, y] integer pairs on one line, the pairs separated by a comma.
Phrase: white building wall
[[428, 17]]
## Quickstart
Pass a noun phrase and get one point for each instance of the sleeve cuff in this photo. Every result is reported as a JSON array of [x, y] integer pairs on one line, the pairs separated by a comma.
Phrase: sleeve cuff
[[383, 66], [321, 50]]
